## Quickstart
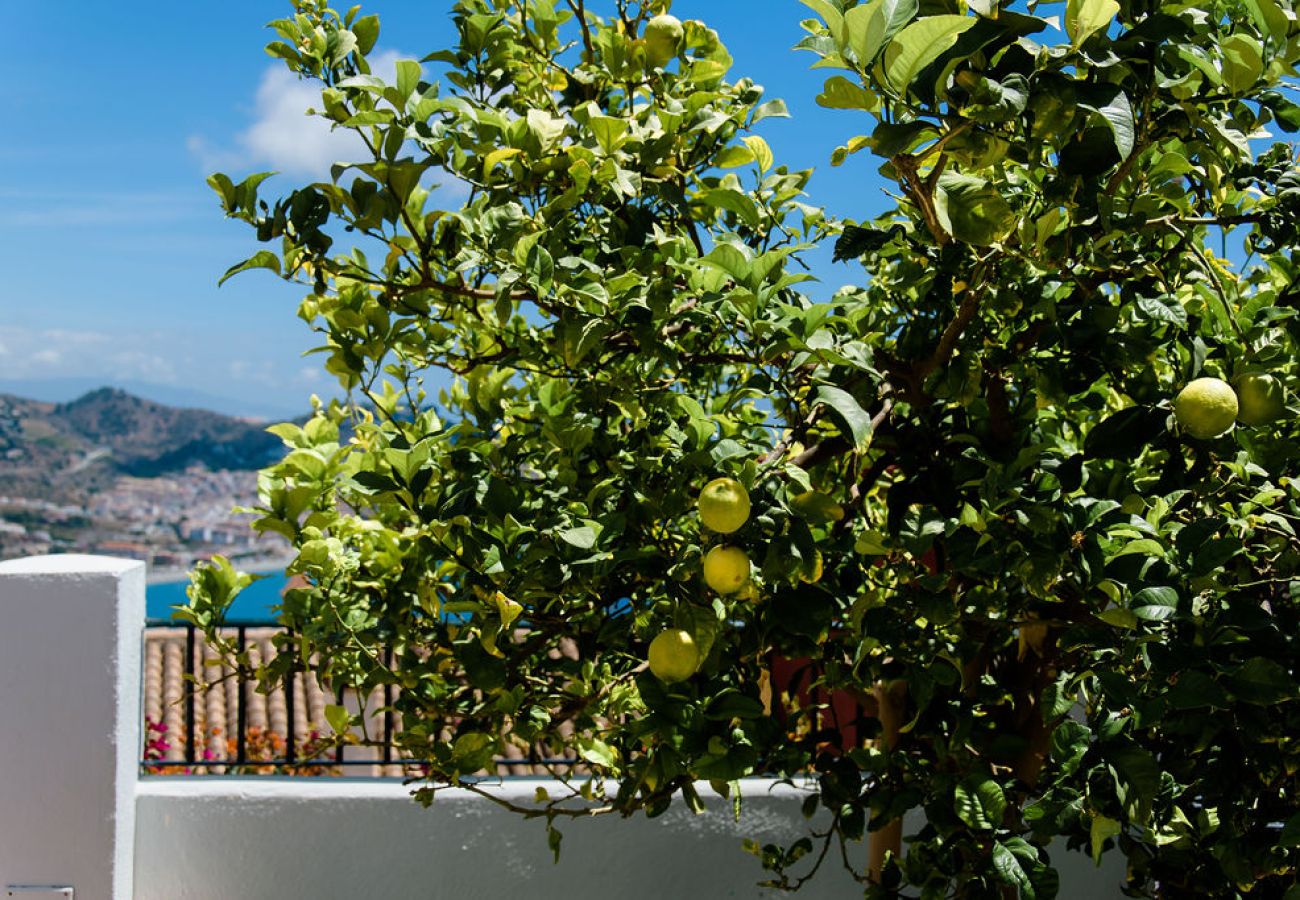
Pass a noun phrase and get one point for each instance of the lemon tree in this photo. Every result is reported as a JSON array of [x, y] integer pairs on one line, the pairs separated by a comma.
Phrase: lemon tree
[[972, 492]]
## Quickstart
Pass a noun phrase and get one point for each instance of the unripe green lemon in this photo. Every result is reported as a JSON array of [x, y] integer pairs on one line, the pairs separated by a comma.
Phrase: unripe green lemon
[[724, 505], [1206, 408], [726, 569], [663, 35], [673, 655], [1260, 398]]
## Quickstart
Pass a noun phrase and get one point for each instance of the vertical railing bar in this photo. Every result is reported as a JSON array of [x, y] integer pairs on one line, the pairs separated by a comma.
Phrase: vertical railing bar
[[338, 751], [241, 704], [190, 688], [290, 741], [388, 709]]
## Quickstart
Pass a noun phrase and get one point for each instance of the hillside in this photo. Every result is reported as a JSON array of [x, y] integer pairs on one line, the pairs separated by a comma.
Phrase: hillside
[[69, 449]]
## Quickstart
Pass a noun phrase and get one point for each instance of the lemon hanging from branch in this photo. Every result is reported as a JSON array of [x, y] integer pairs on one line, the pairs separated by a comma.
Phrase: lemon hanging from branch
[[724, 505]]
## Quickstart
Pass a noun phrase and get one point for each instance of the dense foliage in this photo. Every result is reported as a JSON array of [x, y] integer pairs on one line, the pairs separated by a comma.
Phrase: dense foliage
[[973, 512]]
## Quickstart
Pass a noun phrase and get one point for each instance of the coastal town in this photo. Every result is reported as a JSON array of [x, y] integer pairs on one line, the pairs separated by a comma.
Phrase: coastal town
[[169, 521]]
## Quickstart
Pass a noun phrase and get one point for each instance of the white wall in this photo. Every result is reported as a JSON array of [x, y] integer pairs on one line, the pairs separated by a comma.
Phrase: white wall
[[73, 811], [329, 838], [69, 721]]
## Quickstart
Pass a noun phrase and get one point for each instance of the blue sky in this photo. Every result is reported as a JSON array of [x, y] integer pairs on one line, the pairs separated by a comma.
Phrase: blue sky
[[111, 243]]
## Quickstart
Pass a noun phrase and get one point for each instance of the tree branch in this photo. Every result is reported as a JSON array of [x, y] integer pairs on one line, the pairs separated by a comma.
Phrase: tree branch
[[943, 351]]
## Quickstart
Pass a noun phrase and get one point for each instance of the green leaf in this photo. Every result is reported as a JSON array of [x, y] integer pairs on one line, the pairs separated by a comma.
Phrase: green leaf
[[1262, 682], [840, 93], [833, 18], [732, 157], [1243, 62], [596, 751], [1058, 697], [408, 77], [1101, 829], [770, 109], [1290, 836], [226, 188], [1011, 872], [855, 422], [1141, 773], [1083, 18], [732, 201], [731, 260], [262, 259], [473, 751], [1142, 547], [1155, 604], [972, 210], [1196, 690], [1156, 309], [762, 152], [871, 543], [1269, 19], [980, 803], [870, 27], [553, 840], [816, 507], [338, 718], [1285, 112], [920, 44], [584, 538], [1123, 435], [1112, 104], [497, 156], [366, 30], [610, 131], [1118, 617]]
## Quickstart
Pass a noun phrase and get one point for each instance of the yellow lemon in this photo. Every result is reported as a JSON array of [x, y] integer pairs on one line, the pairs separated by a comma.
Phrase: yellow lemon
[[673, 655], [724, 505], [663, 35], [1260, 399], [726, 569], [1206, 408]]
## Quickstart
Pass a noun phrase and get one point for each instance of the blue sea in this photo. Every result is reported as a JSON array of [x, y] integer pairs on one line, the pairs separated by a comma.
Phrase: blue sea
[[253, 602]]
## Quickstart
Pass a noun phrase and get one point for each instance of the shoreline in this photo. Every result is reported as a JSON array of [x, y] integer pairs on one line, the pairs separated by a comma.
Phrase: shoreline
[[172, 575]]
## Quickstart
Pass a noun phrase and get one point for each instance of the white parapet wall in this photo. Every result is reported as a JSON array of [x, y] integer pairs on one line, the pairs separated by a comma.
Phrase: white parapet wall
[[333, 838], [70, 732], [75, 814], [264, 838]]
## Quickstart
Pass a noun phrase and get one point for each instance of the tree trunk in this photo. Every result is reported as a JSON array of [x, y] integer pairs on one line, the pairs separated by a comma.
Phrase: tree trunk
[[891, 700]]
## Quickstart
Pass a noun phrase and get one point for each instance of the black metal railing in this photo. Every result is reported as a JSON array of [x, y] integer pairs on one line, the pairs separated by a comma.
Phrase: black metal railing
[[182, 739]]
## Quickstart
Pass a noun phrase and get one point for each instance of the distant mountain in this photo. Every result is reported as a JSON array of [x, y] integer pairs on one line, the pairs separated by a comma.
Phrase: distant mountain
[[65, 390], [65, 449]]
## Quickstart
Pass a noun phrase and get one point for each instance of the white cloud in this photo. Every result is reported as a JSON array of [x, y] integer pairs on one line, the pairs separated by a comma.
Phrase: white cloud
[[143, 365], [282, 136], [60, 352], [291, 141], [309, 375], [255, 371], [74, 338]]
